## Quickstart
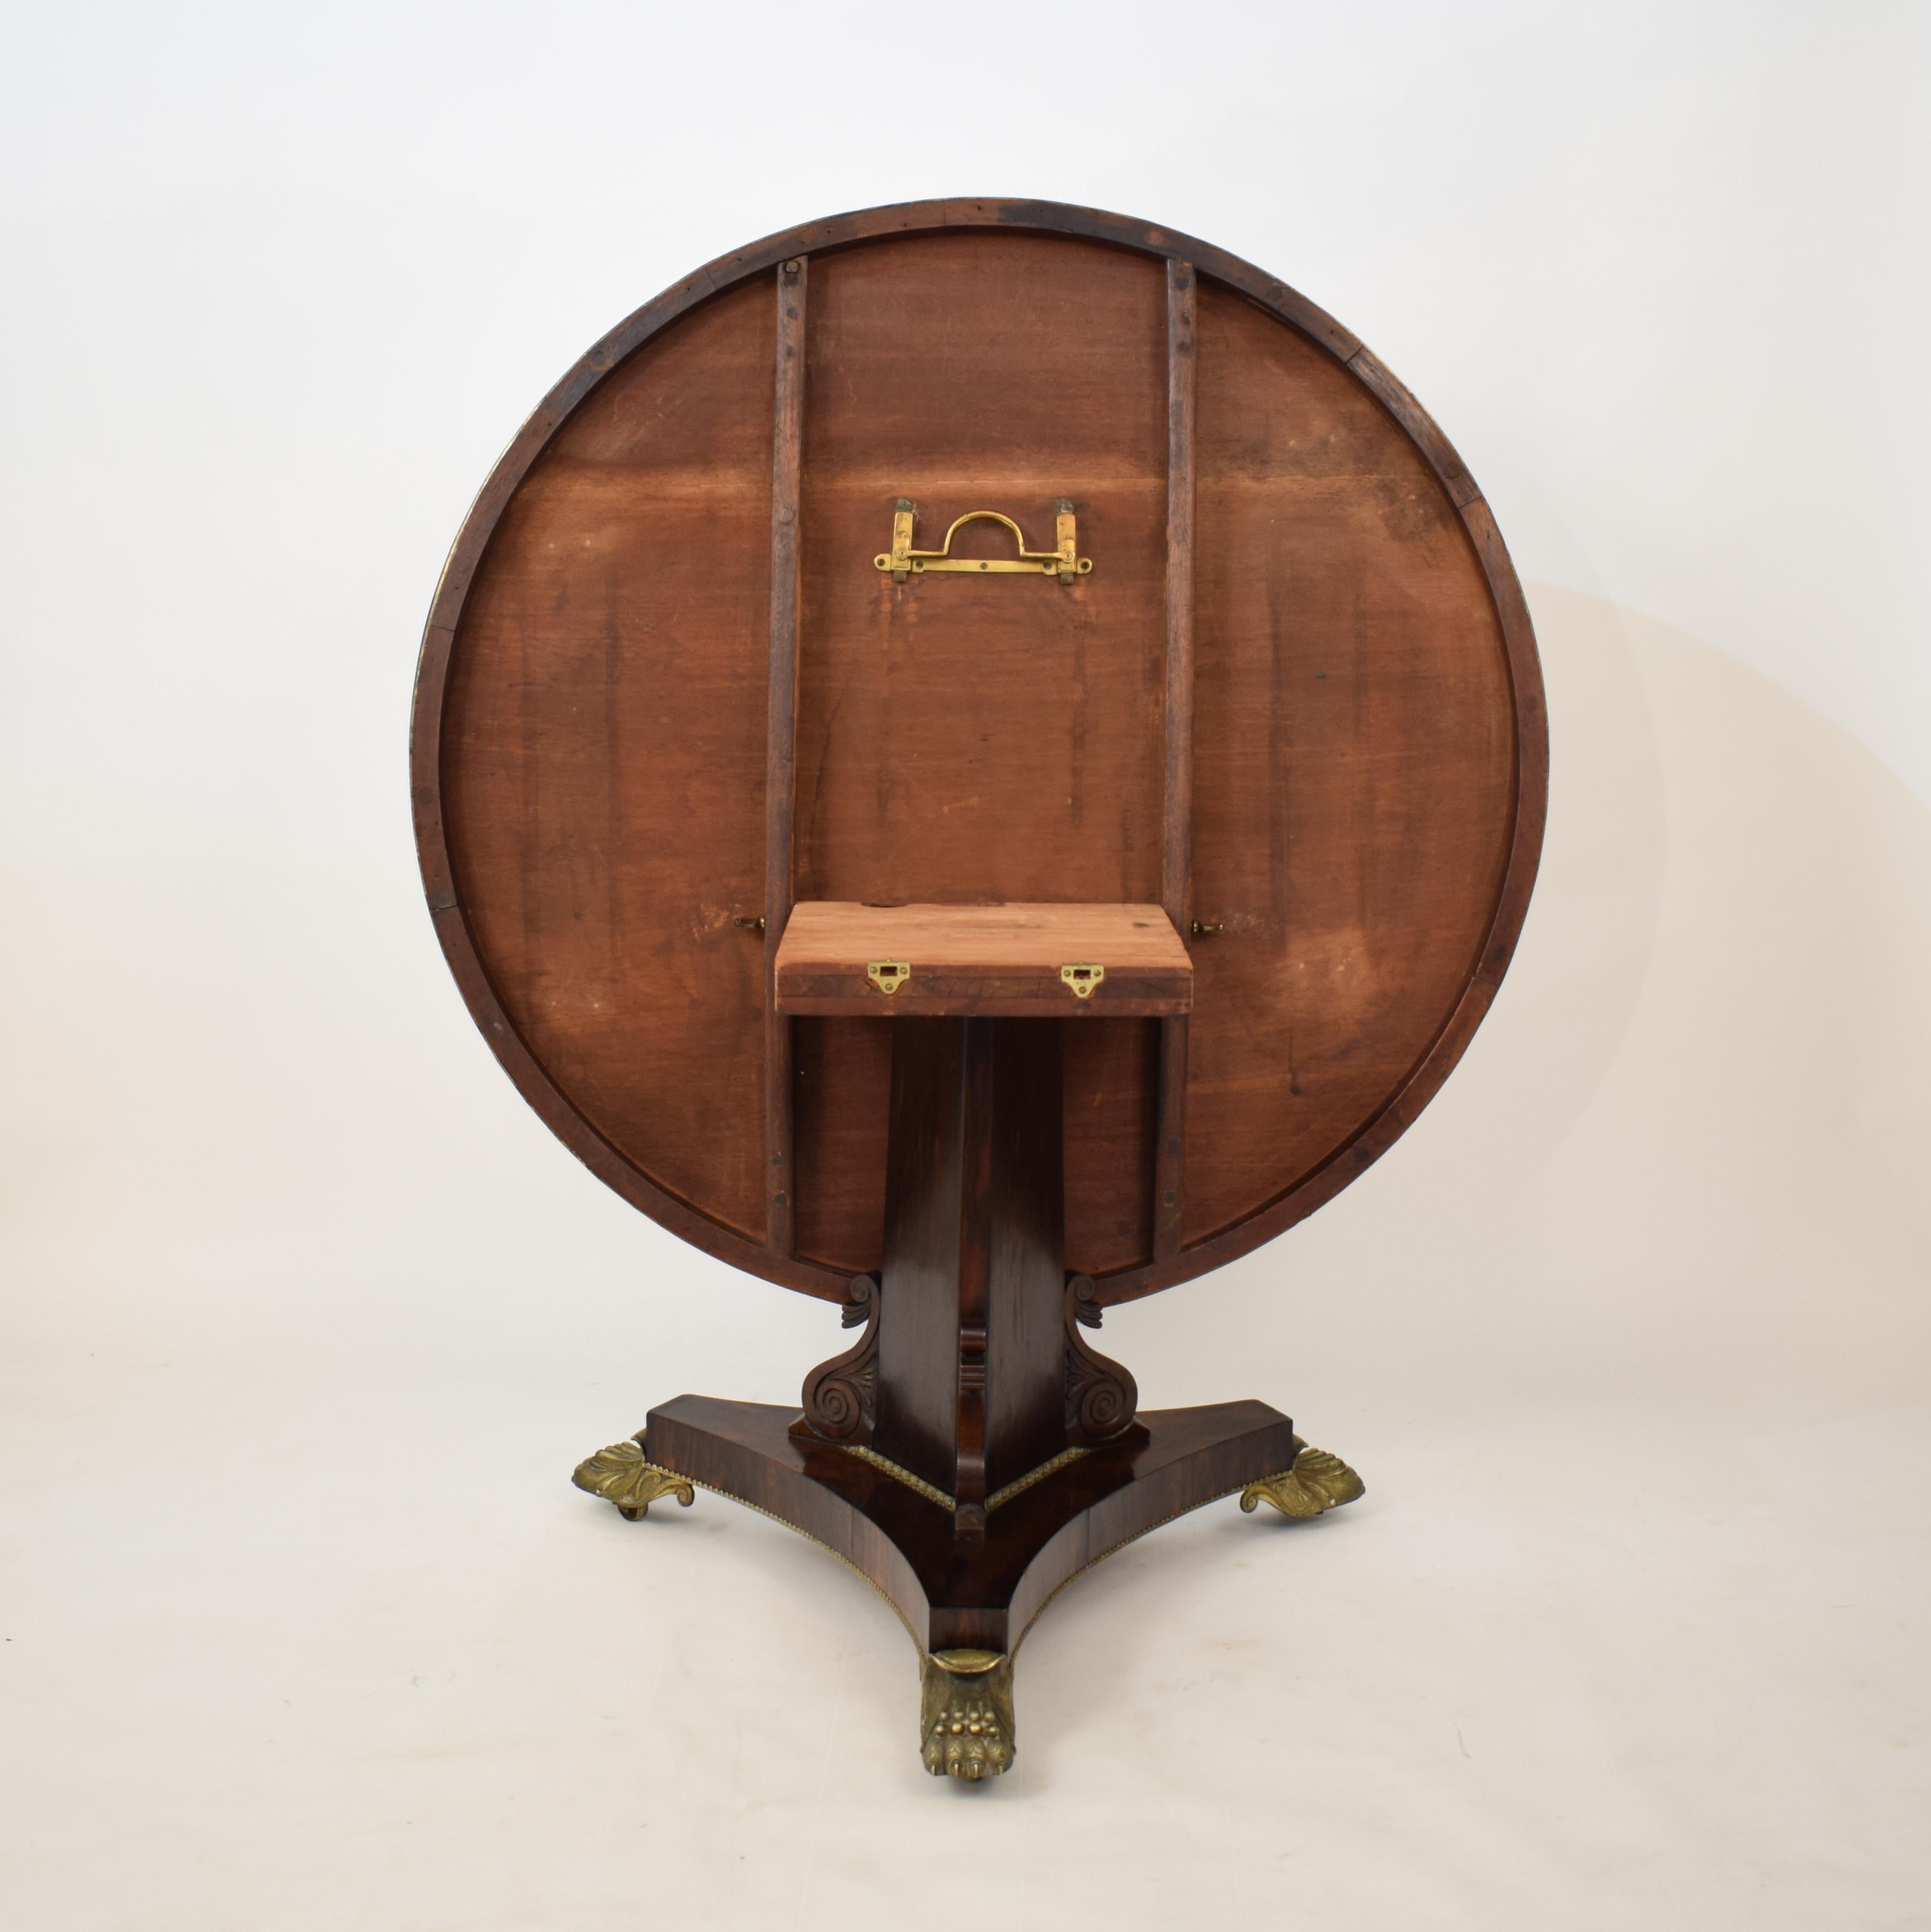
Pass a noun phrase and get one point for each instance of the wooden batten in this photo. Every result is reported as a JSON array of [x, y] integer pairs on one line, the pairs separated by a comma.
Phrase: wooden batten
[[1177, 818], [781, 727]]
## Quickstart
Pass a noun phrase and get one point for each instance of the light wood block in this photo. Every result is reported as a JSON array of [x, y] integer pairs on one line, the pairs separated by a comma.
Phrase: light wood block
[[1003, 961]]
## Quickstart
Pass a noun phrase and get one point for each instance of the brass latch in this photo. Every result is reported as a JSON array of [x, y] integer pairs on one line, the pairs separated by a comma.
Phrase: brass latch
[[1082, 976], [902, 561], [888, 975]]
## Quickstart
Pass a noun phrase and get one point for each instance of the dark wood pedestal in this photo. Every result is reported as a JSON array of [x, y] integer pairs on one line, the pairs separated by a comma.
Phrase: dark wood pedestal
[[971, 1333], [967, 1599], [971, 1453]]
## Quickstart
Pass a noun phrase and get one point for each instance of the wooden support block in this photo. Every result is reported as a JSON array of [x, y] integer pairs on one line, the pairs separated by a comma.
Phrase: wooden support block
[[1003, 961]]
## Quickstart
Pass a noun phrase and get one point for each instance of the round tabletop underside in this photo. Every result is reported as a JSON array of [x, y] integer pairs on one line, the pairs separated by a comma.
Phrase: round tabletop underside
[[591, 742]]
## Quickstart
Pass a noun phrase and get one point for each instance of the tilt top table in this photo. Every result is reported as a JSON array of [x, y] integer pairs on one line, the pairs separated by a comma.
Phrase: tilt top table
[[977, 761]]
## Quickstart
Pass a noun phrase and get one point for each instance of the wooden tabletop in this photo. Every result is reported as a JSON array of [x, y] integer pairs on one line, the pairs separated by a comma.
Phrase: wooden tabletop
[[666, 691], [837, 957]]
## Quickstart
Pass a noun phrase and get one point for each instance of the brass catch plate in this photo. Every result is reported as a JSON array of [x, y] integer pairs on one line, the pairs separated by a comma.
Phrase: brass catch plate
[[888, 975], [1064, 562], [1083, 976]]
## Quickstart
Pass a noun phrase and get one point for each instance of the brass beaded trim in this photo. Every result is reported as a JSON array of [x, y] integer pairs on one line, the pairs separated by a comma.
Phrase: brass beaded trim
[[1032, 1476], [933, 1494], [905, 1476]]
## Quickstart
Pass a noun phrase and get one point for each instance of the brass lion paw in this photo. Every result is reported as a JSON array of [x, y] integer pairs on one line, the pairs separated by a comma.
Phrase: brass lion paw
[[965, 1713], [1316, 1483], [619, 1474]]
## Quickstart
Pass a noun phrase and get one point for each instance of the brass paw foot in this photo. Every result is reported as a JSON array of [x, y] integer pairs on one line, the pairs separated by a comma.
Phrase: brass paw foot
[[1316, 1483], [619, 1474], [965, 1713]]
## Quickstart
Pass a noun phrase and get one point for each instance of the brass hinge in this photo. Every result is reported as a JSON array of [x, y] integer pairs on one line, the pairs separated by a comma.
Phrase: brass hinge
[[902, 561], [888, 975], [1083, 976]]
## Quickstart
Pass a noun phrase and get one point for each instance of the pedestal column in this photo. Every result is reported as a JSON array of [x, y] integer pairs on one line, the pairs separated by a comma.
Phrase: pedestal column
[[971, 1341]]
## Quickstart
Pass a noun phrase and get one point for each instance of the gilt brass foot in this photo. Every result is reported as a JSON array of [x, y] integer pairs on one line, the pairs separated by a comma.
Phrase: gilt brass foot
[[1315, 1483], [965, 1713], [619, 1474]]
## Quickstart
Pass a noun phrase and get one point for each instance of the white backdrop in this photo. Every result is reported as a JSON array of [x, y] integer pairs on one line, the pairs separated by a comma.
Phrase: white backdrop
[[308, 1318]]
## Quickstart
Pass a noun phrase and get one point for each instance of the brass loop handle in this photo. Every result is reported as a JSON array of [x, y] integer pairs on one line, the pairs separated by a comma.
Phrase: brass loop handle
[[902, 562]]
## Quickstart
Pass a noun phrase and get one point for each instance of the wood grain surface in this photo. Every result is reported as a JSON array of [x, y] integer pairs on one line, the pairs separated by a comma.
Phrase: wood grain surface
[[1176, 851], [1004, 960], [986, 1594], [595, 738], [781, 684]]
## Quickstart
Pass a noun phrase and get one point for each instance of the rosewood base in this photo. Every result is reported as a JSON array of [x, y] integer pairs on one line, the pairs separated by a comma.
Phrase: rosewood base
[[968, 1595], [972, 1451]]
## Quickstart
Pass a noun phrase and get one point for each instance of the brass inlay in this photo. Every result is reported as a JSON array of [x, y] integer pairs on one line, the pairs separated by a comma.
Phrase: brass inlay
[[1083, 976], [934, 1494], [1065, 562], [1032, 1476], [965, 1713], [1312, 1485], [931, 1494], [888, 975], [619, 1474]]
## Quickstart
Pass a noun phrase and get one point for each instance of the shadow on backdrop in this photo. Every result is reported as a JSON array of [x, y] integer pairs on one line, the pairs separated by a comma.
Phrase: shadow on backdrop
[[1683, 1161]]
